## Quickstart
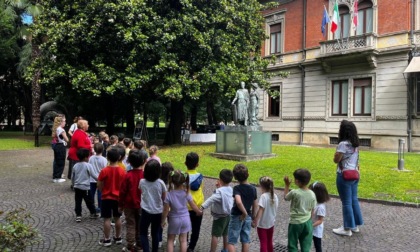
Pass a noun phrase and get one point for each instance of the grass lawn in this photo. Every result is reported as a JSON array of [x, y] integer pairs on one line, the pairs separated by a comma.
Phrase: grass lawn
[[15, 140], [378, 180]]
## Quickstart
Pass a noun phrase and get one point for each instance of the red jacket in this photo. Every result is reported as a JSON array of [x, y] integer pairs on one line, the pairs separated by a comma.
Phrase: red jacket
[[79, 140], [130, 194]]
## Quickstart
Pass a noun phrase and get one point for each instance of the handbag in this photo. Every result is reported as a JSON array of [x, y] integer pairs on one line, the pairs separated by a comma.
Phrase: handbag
[[350, 175]]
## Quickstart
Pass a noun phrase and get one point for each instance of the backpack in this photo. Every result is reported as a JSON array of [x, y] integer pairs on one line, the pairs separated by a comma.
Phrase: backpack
[[195, 181]]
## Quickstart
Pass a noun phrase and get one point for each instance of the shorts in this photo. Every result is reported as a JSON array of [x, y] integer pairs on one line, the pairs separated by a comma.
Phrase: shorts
[[238, 228], [109, 209], [179, 225], [220, 226]]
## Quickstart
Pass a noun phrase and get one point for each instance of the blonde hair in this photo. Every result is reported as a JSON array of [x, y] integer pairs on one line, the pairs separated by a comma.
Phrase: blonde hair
[[268, 185], [153, 149], [81, 124], [57, 122]]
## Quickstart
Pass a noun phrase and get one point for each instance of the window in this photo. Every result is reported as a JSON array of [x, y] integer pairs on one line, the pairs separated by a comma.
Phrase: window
[[340, 98], [275, 38], [274, 103], [362, 105], [364, 18], [343, 29]]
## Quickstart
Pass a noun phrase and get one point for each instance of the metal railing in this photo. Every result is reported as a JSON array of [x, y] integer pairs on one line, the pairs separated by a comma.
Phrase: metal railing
[[344, 45]]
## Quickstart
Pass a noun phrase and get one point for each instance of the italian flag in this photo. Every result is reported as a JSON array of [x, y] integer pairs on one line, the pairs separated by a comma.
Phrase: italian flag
[[335, 18]]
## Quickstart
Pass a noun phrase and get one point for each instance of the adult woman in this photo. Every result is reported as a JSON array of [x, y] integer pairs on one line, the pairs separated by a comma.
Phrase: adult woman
[[79, 140], [242, 97], [59, 146], [347, 158], [73, 127], [253, 105]]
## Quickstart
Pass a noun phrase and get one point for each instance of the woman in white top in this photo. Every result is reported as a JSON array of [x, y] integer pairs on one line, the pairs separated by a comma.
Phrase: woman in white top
[[59, 146], [73, 127]]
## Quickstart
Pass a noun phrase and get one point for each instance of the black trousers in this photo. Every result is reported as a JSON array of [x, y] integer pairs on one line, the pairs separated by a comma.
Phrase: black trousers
[[80, 195], [195, 229], [59, 160], [146, 220], [317, 244], [71, 164]]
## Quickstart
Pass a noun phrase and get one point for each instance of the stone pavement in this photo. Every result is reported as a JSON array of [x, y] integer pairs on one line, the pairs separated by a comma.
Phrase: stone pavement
[[25, 182]]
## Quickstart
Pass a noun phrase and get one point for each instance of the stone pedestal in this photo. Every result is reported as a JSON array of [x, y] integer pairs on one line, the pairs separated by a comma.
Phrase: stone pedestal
[[243, 143]]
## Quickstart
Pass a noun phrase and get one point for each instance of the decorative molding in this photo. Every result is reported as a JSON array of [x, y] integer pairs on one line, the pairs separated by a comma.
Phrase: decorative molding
[[291, 118], [314, 118], [372, 61], [391, 117]]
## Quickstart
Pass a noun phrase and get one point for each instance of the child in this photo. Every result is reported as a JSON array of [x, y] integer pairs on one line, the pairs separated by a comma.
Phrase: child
[[153, 150], [98, 162], [302, 203], [266, 214], [244, 206], [80, 180], [113, 140], [167, 167], [153, 192], [129, 200], [139, 145], [178, 218], [221, 203], [319, 213], [109, 183], [196, 179], [121, 151], [128, 145]]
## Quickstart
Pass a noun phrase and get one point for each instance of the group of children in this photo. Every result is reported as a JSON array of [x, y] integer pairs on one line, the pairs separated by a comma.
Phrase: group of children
[[151, 194]]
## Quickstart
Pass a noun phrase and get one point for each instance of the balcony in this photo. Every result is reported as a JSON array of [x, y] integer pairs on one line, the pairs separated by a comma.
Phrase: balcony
[[358, 43]]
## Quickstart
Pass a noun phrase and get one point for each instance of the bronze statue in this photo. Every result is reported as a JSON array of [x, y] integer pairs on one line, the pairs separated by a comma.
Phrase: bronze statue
[[242, 99], [253, 105]]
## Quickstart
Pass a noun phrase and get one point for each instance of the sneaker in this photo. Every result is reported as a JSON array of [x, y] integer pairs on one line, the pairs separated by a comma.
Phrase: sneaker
[[105, 242], [118, 240], [54, 180], [78, 218], [174, 243], [355, 230], [94, 216], [63, 176], [127, 249], [342, 231], [160, 245], [61, 180]]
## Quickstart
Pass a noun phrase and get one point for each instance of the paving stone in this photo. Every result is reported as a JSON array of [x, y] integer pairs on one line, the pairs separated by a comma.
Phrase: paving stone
[[25, 182]]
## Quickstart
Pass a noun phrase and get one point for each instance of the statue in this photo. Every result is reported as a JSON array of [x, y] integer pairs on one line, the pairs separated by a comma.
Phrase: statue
[[242, 99], [253, 105]]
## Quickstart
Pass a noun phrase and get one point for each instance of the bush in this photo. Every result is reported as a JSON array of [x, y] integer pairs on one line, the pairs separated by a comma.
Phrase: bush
[[15, 235]]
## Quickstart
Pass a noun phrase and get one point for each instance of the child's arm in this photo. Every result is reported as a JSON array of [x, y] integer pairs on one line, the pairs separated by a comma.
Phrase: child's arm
[[258, 217], [195, 208], [213, 198], [164, 214], [286, 186], [240, 206], [319, 220], [254, 209]]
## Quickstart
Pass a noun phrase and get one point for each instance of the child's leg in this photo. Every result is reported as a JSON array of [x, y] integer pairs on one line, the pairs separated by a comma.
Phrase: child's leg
[[170, 243], [317, 244], [99, 199], [107, 228], [195, 232], [137, 217], [270, 233], [130, 227], [156, 222], [225, 243], [305, 237], [293, 232], [93, 191], [144, 226], [245, 235], [183, 241], [88, 201], [78, 197], [213, 245], [262, 235], [233, 230], [118, 226]]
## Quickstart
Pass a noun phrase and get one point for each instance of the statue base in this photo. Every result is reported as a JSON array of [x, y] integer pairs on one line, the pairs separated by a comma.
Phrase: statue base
[[243, 143]]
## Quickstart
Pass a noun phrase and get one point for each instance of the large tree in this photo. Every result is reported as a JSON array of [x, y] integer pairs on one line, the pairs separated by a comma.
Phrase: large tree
[[175, 49]]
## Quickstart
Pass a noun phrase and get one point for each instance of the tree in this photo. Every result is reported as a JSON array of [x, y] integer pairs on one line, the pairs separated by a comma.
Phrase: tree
[[170, 48]]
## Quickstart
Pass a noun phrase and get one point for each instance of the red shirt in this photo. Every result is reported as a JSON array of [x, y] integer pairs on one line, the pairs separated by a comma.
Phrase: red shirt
[[79, 140], [130, 194], [111, 177]]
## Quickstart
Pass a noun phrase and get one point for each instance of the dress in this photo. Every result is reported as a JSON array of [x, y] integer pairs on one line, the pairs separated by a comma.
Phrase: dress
[[242, 97], [253, 108]]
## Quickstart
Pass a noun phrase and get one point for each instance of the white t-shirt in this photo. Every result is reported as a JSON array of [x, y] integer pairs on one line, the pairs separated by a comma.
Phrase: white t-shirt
[[350, 156], [59, 136], [73, 127], [151, 195], [320, 210], [98, 163], [270, 208]]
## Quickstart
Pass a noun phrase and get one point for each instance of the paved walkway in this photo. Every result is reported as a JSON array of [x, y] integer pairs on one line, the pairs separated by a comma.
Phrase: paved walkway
[[25, 182]]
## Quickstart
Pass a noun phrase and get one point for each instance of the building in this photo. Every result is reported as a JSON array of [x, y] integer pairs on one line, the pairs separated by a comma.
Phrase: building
[[356, 73]]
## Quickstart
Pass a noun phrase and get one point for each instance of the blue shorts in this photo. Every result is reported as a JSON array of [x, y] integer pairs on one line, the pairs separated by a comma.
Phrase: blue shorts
[[238, 228]]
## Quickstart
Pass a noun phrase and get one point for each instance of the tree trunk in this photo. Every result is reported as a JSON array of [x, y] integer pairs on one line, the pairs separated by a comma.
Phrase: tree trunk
[[173, 133], [194, 117], [211, 115], [36, 92], [129, 114]]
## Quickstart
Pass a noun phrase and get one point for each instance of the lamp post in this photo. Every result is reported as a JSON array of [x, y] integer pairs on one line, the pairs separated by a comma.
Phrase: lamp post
[[401, 143]]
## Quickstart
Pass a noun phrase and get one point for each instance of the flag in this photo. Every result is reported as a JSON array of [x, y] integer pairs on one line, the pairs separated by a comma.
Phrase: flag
[[355, 12], [325, 21], [335, 18]]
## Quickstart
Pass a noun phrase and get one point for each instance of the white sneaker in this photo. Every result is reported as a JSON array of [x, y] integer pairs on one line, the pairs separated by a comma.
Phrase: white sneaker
[[342, 231], [61, 180], [355, 230], [54, 180], [160, 244]]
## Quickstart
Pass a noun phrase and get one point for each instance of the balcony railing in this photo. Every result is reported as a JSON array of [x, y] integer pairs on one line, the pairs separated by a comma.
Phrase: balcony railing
[[347, 45]]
